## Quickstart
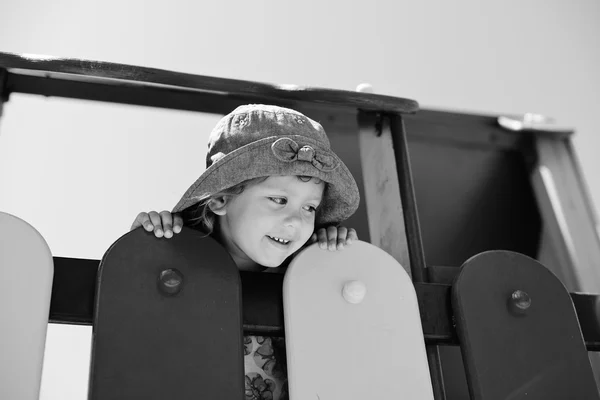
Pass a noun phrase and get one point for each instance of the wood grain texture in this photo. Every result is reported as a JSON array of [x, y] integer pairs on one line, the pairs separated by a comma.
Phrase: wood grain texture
[[382, 194], [135, 77]]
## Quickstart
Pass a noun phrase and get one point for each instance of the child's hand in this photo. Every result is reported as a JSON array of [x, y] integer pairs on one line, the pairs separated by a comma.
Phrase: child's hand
[[334, 238], [164, 223]]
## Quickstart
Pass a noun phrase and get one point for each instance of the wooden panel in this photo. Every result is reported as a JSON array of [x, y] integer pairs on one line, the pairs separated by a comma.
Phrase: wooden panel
[[518, 331], [26, 271], [75, 282], [380, 328], [472, 199], [456, 129], [382, 194], [135, 78], [570, 246], [573, 250], [161, 97], [168, 320]]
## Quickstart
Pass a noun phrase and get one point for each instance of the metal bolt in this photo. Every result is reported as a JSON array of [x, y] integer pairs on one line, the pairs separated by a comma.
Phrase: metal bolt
[[519, 302], [170, 281]]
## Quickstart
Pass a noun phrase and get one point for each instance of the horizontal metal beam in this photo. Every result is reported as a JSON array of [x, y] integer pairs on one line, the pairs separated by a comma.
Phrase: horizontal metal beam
[[75, 284]]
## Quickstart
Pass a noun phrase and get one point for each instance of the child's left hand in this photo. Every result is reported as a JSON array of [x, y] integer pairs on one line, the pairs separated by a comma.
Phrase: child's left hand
[[334, 238]]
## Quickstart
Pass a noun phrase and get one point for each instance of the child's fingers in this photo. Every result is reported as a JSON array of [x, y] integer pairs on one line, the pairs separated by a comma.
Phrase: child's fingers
[[331, 237], [167, 223], [322, 238], [137, 222], [313, 238], [177, 222], [155, 220], [142, 219], [352, 236], [342, 232]]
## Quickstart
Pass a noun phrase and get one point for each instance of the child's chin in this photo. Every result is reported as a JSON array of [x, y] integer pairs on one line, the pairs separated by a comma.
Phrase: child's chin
[[272, 264]]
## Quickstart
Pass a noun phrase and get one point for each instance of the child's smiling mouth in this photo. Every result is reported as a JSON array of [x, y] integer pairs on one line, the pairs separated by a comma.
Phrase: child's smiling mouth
[[279, 241]]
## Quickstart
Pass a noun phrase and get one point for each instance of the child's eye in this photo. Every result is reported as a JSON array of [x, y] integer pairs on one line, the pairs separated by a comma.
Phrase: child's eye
[[278, 200], [310, 209]]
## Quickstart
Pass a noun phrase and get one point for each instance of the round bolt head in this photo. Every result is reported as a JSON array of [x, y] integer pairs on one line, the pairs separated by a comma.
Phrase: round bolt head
[[354, 292], [170, 281], [519, 302]]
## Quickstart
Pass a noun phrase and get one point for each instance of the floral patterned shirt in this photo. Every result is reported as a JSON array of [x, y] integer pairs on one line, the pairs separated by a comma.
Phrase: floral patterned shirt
[[265, 368]]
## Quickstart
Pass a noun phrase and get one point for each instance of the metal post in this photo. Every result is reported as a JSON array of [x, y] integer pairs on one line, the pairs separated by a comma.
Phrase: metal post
[[413, 234], [409, 202]]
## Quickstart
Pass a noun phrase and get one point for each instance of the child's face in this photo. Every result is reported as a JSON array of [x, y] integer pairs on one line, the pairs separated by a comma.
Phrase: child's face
[[281, 207]]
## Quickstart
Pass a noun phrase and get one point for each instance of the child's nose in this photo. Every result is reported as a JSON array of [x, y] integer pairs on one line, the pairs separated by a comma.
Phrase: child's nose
[[293, 219]]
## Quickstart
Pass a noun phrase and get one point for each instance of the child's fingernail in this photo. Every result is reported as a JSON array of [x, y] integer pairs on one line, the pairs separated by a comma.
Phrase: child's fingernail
[[349, 241], [159, 232], [341, 246], [323, 245], [149, 227], [177, 229], [168, 234]]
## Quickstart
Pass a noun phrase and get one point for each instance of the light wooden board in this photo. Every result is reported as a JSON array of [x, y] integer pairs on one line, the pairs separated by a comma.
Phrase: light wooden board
[[340, 350], [26, 272]]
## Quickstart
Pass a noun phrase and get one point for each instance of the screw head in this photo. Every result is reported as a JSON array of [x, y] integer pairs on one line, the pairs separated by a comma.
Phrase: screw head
[[519, 302], [354, 292], [170, 281]]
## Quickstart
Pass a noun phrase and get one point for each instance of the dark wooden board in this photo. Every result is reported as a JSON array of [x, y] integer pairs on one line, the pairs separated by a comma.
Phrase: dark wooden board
[[529, 349], [103, 75], [150, 343]]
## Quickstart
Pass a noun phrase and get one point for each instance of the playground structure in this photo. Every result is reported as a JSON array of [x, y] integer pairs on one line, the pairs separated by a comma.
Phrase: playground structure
[[518, 177]]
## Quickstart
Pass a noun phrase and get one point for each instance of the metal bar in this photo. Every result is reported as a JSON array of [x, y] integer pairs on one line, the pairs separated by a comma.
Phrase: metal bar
[[409, 202], [441, 274], [413, 234]]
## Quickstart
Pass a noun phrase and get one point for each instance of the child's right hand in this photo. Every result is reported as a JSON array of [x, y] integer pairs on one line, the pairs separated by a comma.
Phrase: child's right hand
[[163, 223]]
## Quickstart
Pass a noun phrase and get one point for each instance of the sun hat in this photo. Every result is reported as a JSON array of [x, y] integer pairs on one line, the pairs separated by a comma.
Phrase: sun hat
[[259, 140]]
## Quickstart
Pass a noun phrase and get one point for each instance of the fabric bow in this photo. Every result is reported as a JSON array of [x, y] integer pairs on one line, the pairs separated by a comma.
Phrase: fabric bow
[[286, 149]]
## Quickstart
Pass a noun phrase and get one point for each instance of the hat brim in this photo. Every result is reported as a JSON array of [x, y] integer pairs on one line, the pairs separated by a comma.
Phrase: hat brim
[[340, 199]]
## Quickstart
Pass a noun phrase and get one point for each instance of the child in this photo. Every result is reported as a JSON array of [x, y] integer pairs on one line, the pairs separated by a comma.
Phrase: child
[[271, 186]]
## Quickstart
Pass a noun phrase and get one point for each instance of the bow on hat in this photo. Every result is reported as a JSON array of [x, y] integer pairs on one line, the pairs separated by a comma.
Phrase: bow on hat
[[286, 149]]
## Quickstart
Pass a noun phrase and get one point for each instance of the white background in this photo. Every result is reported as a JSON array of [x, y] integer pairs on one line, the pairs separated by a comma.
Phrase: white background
[[80, 171]]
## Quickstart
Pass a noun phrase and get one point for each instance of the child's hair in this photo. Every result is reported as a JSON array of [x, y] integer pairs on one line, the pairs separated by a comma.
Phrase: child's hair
[[202, 218]]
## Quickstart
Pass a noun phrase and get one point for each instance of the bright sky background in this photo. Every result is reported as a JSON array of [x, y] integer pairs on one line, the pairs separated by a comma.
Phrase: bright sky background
[[80, 171]]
